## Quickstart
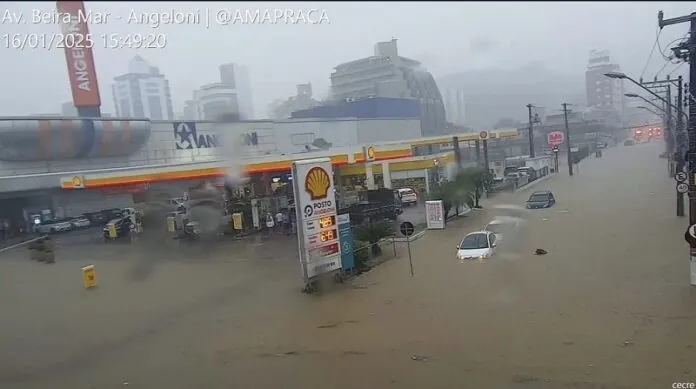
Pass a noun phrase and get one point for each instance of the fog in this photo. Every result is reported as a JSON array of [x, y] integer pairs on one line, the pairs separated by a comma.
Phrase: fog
[[448, 38]]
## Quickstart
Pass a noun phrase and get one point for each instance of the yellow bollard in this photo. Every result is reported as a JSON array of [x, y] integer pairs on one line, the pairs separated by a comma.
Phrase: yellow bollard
[[89, 277], [112, 230]]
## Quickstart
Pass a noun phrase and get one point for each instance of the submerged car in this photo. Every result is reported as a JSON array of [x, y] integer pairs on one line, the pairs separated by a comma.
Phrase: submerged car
[[541, 199], [476, 245]]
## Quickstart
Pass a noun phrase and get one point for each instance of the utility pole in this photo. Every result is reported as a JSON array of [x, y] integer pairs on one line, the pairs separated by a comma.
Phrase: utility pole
[[691, 157], [567, 135], [531, 131], [671, 141], [681, 143]]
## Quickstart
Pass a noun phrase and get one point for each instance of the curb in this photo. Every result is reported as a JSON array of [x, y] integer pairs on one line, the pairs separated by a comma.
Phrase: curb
[[411, 238], [20, 244]]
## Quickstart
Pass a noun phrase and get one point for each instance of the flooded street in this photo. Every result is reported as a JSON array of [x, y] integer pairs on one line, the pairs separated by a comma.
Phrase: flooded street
[[609, 306]]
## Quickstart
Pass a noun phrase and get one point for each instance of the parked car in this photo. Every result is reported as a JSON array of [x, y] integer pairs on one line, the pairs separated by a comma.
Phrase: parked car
[[80, 222], [408, 196], [541, 199], [477, 245], [55, 226], [122, 226]]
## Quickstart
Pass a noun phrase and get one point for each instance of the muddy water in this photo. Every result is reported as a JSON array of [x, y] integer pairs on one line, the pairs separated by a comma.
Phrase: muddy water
[[609, 306]]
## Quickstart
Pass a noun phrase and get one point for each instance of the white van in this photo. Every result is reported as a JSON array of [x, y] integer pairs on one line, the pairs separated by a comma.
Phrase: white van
[[408, 196]]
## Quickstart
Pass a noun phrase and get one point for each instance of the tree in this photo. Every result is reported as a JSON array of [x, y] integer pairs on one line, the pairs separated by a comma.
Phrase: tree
[[475, 181], [373, 232]]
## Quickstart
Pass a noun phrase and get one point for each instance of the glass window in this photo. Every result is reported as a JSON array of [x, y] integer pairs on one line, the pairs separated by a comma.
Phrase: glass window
[[474, 241]]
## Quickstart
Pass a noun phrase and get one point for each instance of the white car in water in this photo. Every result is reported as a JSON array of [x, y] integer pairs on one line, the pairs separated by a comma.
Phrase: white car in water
[[477, 245]]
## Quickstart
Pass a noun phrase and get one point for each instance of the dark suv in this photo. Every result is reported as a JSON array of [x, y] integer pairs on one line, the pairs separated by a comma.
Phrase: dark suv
[[541, 199]]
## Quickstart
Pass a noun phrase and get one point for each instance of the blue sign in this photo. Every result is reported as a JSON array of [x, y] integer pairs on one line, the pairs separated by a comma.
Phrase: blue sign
[[345, 238], [187, 137]]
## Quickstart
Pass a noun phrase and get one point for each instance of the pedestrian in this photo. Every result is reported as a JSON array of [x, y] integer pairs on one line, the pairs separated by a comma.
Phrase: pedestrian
[[279, 220], [269, 222]]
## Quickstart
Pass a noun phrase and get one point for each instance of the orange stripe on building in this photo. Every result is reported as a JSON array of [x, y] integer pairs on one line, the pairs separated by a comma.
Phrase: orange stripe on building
[[258, 168], [44, 135], [107, 130]]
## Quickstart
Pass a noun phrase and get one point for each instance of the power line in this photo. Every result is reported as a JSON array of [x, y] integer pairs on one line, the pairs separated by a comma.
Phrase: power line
[[677, 67], [657, 39]]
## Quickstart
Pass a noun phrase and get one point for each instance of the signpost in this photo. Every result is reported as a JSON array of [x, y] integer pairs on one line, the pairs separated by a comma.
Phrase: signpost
[[682, 187], [319, 247], [345, 237], [407, 230], [555, 138], [434, 214]]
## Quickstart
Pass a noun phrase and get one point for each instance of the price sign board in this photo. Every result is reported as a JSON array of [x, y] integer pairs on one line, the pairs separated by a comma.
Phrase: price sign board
[[435, 214], [315, 203], [555, 138]]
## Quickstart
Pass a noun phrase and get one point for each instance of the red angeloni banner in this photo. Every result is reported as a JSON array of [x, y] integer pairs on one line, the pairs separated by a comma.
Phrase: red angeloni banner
[[78, 54]]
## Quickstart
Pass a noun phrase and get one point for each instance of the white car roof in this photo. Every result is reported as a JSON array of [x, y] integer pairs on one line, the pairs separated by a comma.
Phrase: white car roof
[[478, 232]]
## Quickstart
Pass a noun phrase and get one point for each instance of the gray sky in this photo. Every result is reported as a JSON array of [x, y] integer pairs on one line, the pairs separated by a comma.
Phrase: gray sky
[[446, 37]]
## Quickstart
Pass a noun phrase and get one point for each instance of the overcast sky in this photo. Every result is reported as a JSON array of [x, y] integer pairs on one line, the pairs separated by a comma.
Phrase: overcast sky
[[445, 37]]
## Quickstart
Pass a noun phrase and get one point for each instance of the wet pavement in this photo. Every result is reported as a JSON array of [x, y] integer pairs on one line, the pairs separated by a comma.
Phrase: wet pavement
[[609, 306]]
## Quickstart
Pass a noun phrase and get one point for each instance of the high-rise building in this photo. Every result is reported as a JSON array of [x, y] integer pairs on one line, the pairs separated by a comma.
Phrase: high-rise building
[[236, 77], [603, 93], [283, 109], [143, 92], [212, 101], [386, 74], [454, 105]]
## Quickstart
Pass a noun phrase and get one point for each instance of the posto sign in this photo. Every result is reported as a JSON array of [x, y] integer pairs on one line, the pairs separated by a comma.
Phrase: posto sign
[[315, 203]]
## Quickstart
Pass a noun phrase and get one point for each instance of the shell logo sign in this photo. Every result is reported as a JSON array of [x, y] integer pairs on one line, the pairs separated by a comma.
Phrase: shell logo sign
[[317, 183], [77, 182], [371, 154]]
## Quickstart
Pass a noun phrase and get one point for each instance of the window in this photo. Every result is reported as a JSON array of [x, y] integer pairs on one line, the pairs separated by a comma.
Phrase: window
[[474, 241], [155, 107]]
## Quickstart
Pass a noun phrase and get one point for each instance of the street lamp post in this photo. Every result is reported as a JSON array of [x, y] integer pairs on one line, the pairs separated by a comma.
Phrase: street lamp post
[[622, 76], [567, 135]]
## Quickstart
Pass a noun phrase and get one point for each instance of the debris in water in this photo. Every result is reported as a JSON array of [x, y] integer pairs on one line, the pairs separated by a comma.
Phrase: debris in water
[[287, 353], [523, 378], [568, 343], [564, 211], [332, 325], [540, 252], [419, 358], [544, 219], [627, 343]]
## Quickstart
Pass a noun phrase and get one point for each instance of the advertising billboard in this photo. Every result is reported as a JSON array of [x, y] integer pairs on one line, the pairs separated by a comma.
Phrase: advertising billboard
[[78, 54], [315, 202]]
